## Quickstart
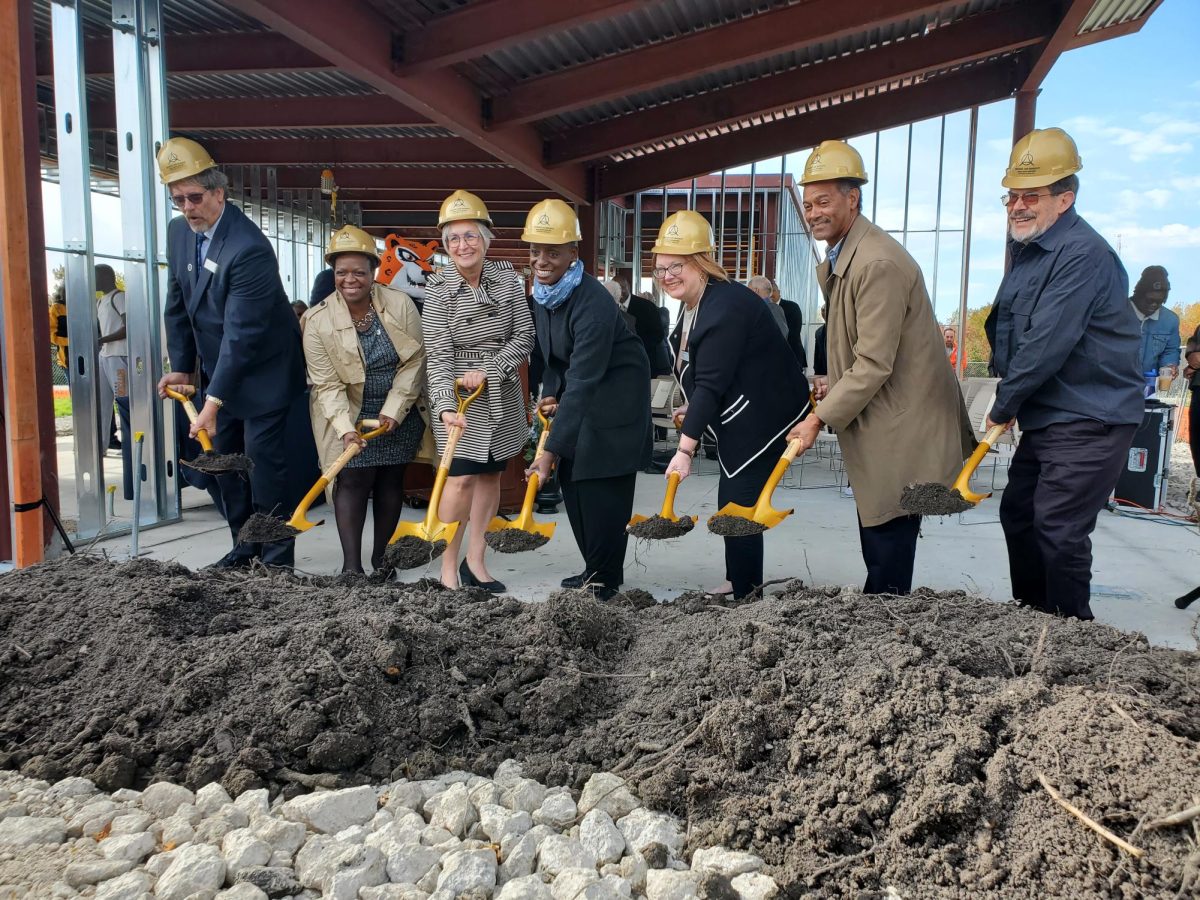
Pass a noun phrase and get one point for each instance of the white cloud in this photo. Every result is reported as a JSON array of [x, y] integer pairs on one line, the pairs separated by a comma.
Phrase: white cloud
[[1139, 243], [1186, 183], [1166, 136]]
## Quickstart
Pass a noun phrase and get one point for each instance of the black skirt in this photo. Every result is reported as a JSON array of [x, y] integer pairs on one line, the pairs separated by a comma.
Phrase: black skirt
[[471, 467]]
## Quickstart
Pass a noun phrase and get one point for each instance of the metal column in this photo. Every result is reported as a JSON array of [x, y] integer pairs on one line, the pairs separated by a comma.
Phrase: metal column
[[74, 163], [937, 219], [141, 105], [969, 202], [750, 245], [636, 261]]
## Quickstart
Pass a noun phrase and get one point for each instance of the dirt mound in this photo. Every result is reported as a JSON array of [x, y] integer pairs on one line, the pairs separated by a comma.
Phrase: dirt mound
[[857, 743]]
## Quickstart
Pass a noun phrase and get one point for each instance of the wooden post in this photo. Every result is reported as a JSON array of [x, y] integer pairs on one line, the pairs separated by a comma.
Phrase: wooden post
[[18, 255]]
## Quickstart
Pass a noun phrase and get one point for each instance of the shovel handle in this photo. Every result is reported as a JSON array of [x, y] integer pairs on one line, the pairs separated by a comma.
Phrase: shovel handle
[[541, 444], [184, 396], [465, 400], [668, 507], [793, 448]]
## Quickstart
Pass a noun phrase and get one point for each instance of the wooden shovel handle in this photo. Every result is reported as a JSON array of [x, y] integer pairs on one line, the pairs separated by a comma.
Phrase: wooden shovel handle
[[184, 395]]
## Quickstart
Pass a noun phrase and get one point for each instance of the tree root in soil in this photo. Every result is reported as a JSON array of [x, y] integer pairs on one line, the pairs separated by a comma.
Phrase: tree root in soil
[[931, 499], [658, 528], [412, 552], [734, 526], [514, 540], [263, 529], [220, 463]]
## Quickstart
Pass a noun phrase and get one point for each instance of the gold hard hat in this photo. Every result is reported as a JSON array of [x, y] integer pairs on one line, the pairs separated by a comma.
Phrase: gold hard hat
[[352, 239], [1042, 157], [551, 222], [463, 206], [833, 160], [684, 233], [180, 158]]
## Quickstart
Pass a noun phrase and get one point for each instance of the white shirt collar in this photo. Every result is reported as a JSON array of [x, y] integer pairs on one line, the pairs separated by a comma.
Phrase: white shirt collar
[[208, 235], [1153, 316]]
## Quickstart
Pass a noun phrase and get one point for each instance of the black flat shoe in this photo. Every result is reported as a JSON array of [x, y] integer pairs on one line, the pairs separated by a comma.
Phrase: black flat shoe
[[575, 582], [232, 560], [468, 579]]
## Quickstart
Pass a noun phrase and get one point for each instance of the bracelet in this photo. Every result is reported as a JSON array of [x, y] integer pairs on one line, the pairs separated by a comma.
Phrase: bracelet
[[215, 401], [690, 454]]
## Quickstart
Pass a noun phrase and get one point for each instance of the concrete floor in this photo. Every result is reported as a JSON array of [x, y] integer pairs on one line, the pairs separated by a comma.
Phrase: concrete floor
[[1140, 565]]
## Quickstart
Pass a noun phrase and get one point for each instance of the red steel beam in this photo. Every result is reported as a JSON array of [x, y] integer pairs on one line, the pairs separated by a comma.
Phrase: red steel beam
[[983, 83], [1072, 16], [488, 25], [353, 182], [358, 42], [972, 39], [204, 54], [710, 50], [340, 151], [276, 114]]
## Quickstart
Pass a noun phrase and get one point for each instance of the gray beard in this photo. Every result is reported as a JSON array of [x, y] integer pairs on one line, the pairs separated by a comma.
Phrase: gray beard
[[1034, 235]]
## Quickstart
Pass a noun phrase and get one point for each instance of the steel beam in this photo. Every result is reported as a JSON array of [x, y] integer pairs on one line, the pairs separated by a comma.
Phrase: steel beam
[[1061, 40], [514, 220], [1132, 26], [360, 47], [988, 34], [978, 84], [341, 151], [354, 181], [699, 53], [277, 114], [206, 54], [489, 25]]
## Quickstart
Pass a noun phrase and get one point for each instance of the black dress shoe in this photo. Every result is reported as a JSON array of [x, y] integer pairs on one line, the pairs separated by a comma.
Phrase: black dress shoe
[[576, 581], [602, 592], [232, 560], [467, 578]]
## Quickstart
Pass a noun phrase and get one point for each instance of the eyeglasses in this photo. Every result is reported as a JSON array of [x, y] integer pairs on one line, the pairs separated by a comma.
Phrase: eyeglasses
[[1030, 199], [179, 200], [673, 269], [471, 238]]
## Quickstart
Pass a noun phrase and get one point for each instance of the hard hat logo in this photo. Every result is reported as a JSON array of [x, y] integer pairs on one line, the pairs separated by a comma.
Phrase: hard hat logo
[[1027, 160], [543, 221], [673, 232]]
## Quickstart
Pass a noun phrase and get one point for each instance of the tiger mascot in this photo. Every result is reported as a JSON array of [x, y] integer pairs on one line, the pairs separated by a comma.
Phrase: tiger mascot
[[405, 265]]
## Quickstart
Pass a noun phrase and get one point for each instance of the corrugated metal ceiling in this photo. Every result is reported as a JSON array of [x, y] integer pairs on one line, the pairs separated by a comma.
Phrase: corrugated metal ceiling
[[1113, 12], [179, 17]]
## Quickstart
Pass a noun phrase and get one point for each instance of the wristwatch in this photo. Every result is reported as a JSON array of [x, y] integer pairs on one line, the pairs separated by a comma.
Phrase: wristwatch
[[215, 401]]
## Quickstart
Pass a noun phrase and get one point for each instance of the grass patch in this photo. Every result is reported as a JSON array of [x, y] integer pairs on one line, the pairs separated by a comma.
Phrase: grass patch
[[62, 407]]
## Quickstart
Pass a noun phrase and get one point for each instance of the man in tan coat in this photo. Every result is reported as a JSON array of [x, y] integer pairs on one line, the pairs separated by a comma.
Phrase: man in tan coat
[[892, 400]]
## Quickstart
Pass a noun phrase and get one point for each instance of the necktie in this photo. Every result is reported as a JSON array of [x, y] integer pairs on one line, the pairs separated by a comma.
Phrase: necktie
[[200, 239]]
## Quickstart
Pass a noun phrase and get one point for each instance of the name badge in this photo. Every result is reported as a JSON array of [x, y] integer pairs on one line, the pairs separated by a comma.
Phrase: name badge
[[210, 265]]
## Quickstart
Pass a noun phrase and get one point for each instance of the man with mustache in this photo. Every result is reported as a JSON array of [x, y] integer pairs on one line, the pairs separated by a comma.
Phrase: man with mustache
[[1065, 343]]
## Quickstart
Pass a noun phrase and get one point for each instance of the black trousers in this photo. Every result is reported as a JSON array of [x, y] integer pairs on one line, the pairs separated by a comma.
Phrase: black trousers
[[1194, 429], [264, 440], [1060, 478], [598, 510], [744, 555], [890, 551]]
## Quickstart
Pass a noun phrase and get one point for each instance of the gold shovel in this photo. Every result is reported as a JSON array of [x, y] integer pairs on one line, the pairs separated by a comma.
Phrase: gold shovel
[[733, 520], [209, 461], [502, 535], [665, 524], [416, 543], [264, 529], [931, 499]]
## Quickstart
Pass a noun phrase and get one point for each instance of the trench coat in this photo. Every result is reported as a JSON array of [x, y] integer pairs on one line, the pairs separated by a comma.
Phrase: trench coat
[[893, 399], [338, 372]]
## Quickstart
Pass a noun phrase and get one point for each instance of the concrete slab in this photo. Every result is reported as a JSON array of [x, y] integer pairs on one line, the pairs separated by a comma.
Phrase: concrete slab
[[1140, 565]]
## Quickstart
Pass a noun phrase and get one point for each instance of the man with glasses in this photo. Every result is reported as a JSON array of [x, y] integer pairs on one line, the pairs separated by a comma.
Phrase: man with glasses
[[232, 334], [1065, 343]]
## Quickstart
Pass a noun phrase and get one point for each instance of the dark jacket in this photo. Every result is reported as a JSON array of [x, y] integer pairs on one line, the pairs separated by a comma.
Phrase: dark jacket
[[1064, 337], [597, 368], [232, 320], [795, 335], [820, 356], [649, 327], [740, 379]]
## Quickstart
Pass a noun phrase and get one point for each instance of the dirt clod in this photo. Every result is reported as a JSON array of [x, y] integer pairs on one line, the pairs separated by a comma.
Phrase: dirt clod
[[514, 540], [857, 743], [412, 552], [263, 529], [658, 528], [932, 499], [220, 463], [734, 526]]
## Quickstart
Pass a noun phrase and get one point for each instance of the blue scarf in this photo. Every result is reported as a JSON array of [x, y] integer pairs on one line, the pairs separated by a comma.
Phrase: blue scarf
[[552, 296]]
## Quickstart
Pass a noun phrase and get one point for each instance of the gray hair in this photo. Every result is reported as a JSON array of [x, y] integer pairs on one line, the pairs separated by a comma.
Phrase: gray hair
[[1070, 183], [613, 288], [846, 185], [484, 232], [212, 179], [760, 281]]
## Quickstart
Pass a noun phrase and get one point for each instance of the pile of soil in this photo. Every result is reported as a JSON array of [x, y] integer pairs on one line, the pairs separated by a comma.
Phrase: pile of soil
[[734, 526], [932, 499], [263, 529], [856, 743], [220, 463], [658, 528], [412, 552], [514, 540]]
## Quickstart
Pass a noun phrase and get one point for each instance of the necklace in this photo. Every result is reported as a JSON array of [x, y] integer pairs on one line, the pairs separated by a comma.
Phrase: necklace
[[364, 324]]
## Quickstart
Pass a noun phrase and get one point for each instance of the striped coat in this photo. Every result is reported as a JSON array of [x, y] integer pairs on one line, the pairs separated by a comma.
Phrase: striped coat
[[488, 328]]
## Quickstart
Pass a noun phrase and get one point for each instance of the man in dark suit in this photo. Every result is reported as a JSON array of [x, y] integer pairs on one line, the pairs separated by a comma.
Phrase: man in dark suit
[[795, 323], [648, 325], [230, 332]]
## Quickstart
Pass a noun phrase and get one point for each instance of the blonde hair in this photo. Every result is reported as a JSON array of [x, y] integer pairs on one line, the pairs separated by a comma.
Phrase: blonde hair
[[708, 264]]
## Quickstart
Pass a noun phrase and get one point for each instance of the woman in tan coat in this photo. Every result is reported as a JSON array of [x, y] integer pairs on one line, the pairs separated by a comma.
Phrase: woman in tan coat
[[366, 360]]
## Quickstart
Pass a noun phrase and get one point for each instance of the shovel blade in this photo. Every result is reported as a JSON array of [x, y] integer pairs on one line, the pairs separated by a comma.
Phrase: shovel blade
[[636, 519], [545, 529], [438, 531], [300, 522], [962, 484], [764, 514]]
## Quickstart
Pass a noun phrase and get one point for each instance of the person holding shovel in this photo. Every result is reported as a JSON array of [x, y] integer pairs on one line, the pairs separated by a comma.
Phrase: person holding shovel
[[1066, 344], [741, 384], [478, 330], [895, 404], [597, 386], [366, 360], [232, 334]]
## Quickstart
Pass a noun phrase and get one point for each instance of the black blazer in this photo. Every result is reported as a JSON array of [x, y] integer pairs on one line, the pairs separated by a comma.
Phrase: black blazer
[[795, 324], [232, 319], [597, 368], [741, 382]]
